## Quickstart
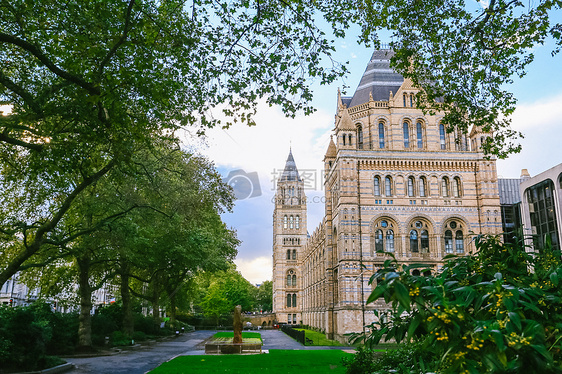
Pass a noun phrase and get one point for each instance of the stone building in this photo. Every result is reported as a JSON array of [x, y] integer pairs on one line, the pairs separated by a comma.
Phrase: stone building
[[396, 181]]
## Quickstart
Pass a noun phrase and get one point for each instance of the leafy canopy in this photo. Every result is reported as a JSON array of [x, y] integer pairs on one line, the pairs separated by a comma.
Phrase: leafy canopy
[[498, 310]]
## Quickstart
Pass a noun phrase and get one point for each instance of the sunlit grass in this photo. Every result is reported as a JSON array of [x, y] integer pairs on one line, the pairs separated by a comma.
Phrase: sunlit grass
[[275, 362]]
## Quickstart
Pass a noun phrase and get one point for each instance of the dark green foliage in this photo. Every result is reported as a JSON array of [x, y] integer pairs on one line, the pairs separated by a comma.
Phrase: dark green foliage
[[360, 363], [146, 324], [496, 311], [25, 335], [119, 338]]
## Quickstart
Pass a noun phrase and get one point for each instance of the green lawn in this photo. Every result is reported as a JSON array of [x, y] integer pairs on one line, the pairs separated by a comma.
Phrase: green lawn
[[319, 339], [230, 334], [275, 362]]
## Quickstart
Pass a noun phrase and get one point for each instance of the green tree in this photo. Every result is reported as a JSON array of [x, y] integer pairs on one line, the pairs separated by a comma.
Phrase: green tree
[[264, 296], [92, 82], [496, 311], [226, 290], [166, 226], [464, 55]]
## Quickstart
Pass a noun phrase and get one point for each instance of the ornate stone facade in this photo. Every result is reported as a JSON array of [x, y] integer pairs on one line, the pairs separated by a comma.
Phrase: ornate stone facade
[[396, 181]]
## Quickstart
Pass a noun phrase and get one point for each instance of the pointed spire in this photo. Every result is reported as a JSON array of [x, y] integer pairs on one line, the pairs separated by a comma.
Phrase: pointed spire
[[290, 173], [345, 122], [340, 102], [332, 151]]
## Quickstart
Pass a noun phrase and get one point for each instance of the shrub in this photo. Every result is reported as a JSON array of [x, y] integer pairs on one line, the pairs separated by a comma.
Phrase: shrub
[[360, 363], [119, 338], [139, 336], [498, 310], [24, 333], [146, 324]]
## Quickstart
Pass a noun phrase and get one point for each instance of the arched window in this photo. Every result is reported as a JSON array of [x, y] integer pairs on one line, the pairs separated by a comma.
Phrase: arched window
[[414, 241], [377, 186], [294, 254], [294, 300], [289, 299], [388, 186], [390, 240], [297, 222], [343, 136], [448, 241], [289, 284], [416, 272], [378, 241], [404, 99], [445, 187], [459, 242], [411, 191], [288, 254], [381, 135], [291, 222], [349, 138], [284, 222], [456, 187], [406, 130], [294, 280], [384, 237], [424, 236], [442, 136], [412, 100], [419, 134], [422, 187], [359, 137]]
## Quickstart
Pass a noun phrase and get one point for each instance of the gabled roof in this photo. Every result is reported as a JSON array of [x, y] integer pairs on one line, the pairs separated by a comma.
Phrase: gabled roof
[[378, 79], [332, 151], [345, 122], [290, 173]]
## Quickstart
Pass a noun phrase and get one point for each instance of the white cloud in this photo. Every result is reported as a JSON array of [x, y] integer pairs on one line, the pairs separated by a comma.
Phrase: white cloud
[[256, 270], [540, 124], [264, 148]]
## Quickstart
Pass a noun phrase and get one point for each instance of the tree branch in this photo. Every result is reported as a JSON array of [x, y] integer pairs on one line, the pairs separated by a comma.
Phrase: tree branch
[[21, 92], [35, 51], [121, 40]]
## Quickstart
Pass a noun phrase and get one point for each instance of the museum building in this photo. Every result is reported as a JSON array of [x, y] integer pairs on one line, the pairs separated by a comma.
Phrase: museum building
[[396, 182]]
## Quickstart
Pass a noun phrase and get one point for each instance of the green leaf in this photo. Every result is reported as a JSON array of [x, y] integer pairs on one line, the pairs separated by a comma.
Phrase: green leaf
[[377, 292], [402, 295], [515, 319], [554, 278], [498, 339]]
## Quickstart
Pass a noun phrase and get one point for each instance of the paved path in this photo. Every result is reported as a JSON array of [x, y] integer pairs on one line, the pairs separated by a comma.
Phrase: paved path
[[142, 360]]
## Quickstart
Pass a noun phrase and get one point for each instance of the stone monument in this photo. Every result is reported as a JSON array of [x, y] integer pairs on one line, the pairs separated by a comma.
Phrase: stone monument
[[237, 325]]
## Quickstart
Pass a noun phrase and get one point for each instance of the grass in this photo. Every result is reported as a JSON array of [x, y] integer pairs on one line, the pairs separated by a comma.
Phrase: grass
[[276, 362], [246, 335], [319, 339]]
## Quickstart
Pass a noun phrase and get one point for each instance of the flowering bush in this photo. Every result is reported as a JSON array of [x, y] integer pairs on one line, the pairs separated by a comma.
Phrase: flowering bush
[[496, 311]]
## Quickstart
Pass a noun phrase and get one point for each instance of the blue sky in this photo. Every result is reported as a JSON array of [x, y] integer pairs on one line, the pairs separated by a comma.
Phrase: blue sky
[[263, 149]]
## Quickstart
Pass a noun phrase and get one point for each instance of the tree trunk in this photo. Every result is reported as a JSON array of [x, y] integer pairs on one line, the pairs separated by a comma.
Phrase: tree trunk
[[128, 321], [173, 311], [154, 301], [85, 294]]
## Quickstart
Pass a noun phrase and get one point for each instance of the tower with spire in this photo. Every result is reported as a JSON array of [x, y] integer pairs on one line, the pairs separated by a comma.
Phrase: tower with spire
[[289, 237], [399, 183]]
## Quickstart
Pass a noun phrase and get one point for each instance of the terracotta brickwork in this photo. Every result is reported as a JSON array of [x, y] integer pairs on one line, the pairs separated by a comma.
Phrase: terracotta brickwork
[[397, 181]]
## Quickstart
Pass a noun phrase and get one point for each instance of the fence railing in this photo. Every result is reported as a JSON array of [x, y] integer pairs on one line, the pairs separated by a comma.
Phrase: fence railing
[[297, 335]]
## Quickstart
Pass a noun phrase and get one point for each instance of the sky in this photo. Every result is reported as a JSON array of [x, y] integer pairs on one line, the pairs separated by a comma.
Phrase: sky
[[256, 155]]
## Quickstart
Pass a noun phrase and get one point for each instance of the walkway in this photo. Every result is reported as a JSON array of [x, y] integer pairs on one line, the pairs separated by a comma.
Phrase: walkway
[[144, 359]]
